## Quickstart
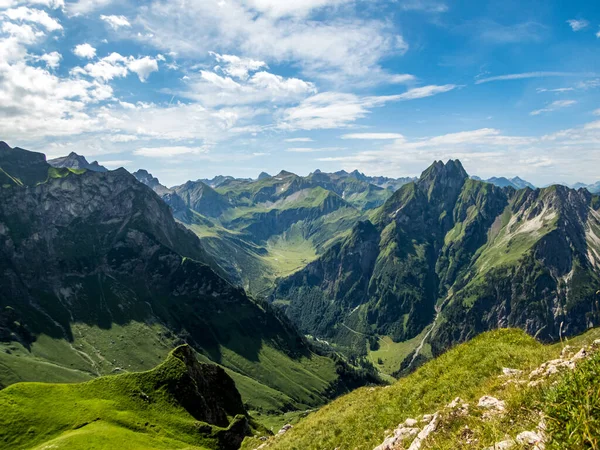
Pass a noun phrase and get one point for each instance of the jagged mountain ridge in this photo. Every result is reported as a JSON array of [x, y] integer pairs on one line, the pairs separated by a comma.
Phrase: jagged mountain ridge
[[436, 252]]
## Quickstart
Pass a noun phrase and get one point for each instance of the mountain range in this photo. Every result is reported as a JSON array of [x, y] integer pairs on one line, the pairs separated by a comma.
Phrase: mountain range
[[290, 290]]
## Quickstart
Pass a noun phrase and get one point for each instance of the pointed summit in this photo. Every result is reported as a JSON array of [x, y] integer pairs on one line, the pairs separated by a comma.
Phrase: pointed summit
[[263, 175], [285, 173], [452, 170]]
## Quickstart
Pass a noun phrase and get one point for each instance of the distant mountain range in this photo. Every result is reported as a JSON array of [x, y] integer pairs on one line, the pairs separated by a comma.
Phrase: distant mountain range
[[516, 182]]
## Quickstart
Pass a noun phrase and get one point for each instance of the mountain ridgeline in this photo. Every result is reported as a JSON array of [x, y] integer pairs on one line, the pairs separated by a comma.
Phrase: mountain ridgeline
[[448, 257]]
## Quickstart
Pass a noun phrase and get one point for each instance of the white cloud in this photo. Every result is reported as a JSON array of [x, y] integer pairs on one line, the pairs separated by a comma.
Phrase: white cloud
[[116, 22], [578, 25], [596, 112], [212, 89], [24, 14], [167, 152], [401, 78], [373, 136], [237, 67], [116, 65], [301, 139], [84, 51], [143, 67], [53, 4], [559, 104], [20, 35], [521, 76], [51, 59], [331, 49], [82, 7]]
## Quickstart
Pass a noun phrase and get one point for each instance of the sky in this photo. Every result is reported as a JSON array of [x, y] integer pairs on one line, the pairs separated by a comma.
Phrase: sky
[[194, 89]]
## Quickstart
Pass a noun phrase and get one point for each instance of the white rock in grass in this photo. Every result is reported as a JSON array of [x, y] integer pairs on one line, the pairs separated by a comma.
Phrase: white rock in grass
[[503, 445], [425, 432]]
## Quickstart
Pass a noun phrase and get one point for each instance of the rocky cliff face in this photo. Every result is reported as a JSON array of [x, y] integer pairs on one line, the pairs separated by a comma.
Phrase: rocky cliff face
[[538, 271], [465, 254]]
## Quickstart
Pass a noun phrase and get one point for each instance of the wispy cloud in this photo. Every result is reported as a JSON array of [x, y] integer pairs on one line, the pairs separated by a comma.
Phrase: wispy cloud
[[578, 25], [427, 6], [496, 33], [116, 22], [373, 136], [559, 90], [300, 139], [313, 150], [168, 152], [328, 110], [559, 104], [521, 76]]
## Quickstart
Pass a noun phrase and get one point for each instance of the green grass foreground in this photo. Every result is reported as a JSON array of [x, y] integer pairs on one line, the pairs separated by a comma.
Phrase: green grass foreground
[[362, 419]]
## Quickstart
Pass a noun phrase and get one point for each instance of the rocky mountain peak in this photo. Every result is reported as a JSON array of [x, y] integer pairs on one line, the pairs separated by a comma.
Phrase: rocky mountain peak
[[75, 161], [145, 177], [285, 173], [446, 178], [263, 175]]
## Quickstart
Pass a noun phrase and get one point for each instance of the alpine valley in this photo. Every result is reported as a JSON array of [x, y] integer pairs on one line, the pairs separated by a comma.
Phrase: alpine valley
[[207, 315]]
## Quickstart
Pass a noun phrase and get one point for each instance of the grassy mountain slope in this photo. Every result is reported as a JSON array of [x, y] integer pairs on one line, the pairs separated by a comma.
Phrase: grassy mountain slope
[[362, 419], [98, 278], [179, 404]]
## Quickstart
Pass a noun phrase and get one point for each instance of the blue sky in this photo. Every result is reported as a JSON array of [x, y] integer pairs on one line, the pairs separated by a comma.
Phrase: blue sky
[[193, 89]]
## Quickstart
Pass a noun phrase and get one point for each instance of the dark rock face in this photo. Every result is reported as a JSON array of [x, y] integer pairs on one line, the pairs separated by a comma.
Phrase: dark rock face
[[478, 256], [75, 161], [206, 391]]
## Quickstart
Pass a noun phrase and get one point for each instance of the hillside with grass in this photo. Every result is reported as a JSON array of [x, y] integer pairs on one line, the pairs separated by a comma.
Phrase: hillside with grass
[[179, 404], [492, 392]]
